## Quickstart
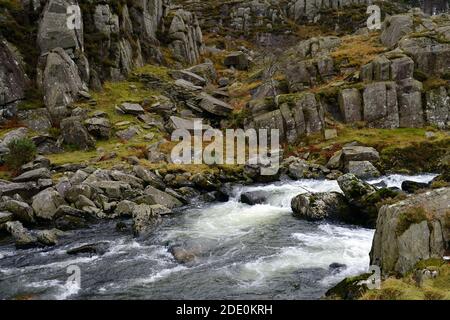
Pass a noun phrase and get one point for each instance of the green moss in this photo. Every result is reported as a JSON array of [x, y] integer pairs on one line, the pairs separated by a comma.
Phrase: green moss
[[433, 262]]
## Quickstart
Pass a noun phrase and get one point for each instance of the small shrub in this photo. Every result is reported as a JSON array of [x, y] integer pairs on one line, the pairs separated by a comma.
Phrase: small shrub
[[410, 216], [21, 151]]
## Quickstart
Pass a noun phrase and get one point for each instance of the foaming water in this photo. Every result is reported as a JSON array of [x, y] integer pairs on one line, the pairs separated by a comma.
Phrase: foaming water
[[238, 252]]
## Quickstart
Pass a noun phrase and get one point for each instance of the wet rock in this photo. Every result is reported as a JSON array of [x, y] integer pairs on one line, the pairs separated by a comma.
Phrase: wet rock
[[145, 219], [253, 197], [22, 236], [412, 186], [185, 255], [125, 208], [319, 206], [46, 203], [337, 267], [354, 189], [33, 175], [99, 248], [49, 237]]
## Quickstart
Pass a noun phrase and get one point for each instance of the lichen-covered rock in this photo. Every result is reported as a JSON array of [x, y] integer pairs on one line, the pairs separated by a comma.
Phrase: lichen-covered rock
[[412, 230], [21, 210], [53, 31], [319, 206], [75, 133], [99, 127]]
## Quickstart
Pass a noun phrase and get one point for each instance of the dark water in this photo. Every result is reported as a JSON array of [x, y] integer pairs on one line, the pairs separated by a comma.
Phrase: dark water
[[243, 252]]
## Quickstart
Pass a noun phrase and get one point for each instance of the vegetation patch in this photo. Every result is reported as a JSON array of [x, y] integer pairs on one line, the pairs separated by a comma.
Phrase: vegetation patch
[[410, 216]]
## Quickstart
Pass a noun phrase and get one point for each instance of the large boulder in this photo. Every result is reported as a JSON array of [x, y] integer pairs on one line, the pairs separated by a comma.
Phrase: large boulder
[[99, 127], [412, 230], [363, 169], [156, 196], [75, 133], [45, 204], [60, 82], [394, 28], [319, 206]]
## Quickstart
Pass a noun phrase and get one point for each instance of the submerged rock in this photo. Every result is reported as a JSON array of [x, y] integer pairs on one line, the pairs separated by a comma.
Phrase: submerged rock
[[22, 236], [254, 197]]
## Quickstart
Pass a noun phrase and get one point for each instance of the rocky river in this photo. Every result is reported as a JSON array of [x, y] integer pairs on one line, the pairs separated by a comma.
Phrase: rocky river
[[231, 251]]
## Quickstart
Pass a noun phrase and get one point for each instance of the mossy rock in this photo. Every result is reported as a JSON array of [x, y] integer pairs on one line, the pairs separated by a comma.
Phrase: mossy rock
[[349, 288]]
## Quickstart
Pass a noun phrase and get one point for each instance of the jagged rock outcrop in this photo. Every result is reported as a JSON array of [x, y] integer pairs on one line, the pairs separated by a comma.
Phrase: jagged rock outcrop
[[13, 80], [294, 116], [185, 36], [412, 230]]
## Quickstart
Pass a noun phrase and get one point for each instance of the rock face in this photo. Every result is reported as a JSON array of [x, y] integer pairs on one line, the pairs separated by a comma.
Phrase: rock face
[[13, 80], [186, 39], [412, 230], [319, 206], [296, 116], [60, 81]]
